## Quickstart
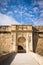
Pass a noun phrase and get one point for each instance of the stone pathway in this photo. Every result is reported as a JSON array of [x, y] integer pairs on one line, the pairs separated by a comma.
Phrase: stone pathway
[[26, 59], [38, 58], [23, 59]]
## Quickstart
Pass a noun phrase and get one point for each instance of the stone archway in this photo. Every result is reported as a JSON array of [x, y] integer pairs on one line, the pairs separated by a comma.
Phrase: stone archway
[[21, 44], [21, 49]]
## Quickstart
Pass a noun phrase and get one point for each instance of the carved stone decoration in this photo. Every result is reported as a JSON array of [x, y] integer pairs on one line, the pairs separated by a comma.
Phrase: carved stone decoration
[[11, 37], [21, 39]]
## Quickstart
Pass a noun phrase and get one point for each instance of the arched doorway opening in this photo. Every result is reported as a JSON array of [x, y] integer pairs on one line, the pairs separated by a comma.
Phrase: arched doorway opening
[[21, 44], [21, 49]]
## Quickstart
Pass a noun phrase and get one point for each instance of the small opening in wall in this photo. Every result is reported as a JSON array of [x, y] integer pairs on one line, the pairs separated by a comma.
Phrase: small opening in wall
[[21, 49]]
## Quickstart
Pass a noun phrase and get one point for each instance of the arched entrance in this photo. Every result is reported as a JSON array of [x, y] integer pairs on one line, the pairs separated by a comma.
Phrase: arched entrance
[[20, 49], [21, 45]]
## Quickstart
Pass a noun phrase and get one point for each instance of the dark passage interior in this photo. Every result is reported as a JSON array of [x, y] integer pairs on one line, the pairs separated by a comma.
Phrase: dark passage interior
[[21, 49]]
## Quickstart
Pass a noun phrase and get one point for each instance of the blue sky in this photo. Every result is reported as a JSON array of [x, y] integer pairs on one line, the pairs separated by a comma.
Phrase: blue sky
[[21, 12]]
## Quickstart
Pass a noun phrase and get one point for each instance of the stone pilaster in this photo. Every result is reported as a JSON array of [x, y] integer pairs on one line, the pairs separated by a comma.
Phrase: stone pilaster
[[27, 44], [31, 43]]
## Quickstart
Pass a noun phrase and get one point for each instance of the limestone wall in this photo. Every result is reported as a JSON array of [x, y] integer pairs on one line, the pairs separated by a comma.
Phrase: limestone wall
[[21, 27], [5, 42], [5, 39], [38, 39], [39, 48], [19, 33], [5, 28], [9, 36]]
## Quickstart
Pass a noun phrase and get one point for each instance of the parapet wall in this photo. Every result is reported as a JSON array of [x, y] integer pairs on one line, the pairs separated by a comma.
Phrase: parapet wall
[[21, 27], [5, 28], [38, 28]]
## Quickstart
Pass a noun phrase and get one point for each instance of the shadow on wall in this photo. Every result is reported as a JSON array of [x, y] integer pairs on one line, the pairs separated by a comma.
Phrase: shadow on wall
[[35, 39], [9, 59]]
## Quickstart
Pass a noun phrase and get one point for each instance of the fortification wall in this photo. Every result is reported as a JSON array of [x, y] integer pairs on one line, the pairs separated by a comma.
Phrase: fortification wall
[[5, 39], [8, 37], [38, 39]]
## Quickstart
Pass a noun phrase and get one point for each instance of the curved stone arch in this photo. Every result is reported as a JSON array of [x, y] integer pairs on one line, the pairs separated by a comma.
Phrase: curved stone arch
[[21, 41], [21, 49], [21, 46], [22, 34]]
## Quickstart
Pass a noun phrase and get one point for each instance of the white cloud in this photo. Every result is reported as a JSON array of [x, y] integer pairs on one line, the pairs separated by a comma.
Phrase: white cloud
[[38, 22], [3, 9], [34, 2], [28, 15], [4, 2], [7, 20], [41, 11], [25, 8], [41, 15], [40, 3], [36, 9], [9, 13], [20, 13], [15, 11]]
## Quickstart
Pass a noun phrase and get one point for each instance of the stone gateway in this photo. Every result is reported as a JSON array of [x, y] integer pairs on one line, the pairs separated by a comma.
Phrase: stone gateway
[[21, 38]]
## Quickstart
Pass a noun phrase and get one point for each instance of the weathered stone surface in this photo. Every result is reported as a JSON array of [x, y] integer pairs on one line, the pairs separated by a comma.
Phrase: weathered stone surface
[[26, 36]]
